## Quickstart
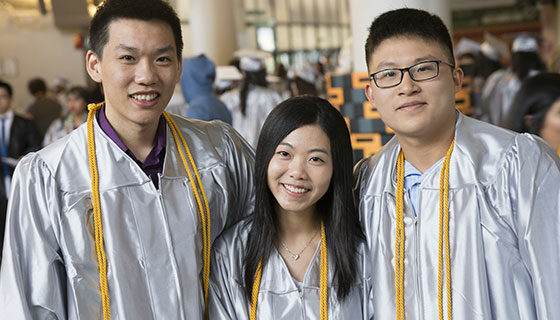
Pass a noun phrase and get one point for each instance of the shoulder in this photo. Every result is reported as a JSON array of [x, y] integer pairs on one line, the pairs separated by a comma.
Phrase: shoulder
[[21, 121], [264, 93], [373, 174], [490, 151], [233, 240], [216, 134]]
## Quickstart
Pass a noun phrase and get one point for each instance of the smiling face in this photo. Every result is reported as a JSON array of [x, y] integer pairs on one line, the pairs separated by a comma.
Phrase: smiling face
[[423, 109], [138, 69], [300, 170]]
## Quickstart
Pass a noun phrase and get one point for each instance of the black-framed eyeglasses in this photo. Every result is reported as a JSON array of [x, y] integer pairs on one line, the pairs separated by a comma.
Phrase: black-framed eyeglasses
[[421, 71]]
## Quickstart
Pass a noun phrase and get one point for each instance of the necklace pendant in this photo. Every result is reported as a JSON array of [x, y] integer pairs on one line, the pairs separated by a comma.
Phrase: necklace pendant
[[295, 257]]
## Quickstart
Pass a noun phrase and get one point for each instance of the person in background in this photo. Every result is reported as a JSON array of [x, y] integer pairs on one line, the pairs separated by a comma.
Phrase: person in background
[[18, 136], [59, 92], [251, 103], [303, 81], [44, 110], [536, 108], [461, 217], [76, 103], [196, 83], [304, 213], [502, 85]]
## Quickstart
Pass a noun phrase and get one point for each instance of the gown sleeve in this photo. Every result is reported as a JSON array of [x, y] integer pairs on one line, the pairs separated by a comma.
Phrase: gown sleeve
[[532, 188], [241, 168], [221, 301], [33, 277]]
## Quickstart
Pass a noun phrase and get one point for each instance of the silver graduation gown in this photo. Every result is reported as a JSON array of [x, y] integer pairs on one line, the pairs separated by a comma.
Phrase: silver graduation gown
[[279, 297], [504, 229], [152, 237]]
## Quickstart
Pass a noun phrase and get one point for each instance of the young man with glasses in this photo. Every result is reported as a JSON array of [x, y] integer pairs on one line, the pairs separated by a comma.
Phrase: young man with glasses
[[461, 217]]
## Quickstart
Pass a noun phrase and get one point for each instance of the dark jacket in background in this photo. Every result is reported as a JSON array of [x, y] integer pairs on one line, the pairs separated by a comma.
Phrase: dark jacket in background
[[196, 84], [44, 112]]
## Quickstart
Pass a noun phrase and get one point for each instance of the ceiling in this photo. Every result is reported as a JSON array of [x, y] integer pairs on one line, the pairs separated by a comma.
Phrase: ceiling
[[25, 4]]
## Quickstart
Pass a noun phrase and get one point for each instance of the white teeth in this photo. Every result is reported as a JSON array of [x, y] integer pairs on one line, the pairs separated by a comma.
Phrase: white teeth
[[294, 189], [145, 97]]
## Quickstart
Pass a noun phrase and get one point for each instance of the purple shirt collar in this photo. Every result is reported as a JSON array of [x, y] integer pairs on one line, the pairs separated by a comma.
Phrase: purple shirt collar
[[153, 165]]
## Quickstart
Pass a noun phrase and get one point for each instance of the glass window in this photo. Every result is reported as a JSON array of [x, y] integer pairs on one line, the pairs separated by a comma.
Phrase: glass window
[[265, 39]]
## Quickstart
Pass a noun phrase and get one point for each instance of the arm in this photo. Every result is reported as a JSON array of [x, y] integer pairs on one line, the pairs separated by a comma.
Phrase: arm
[[33, 278], [220, 301], [535, 197], [240, 164]]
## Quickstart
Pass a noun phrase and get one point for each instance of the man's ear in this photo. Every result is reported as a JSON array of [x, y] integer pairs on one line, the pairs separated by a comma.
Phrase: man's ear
[[180, 66], [93, 66], [458, 78], [369, 92]]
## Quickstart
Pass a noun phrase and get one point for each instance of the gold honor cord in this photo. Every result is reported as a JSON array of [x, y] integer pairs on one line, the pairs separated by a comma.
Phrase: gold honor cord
[[98, 227], [399, 240], [323, 282], [204, 215], [443, 233]]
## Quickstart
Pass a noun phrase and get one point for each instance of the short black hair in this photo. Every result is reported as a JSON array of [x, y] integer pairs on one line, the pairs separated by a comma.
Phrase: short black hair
[[408, 22], [8, 88], [36, 85], [145, 10]]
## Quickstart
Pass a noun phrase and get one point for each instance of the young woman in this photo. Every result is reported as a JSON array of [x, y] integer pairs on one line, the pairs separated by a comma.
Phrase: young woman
[[77, 100], [251, 103], [299, 255], [536, 108]]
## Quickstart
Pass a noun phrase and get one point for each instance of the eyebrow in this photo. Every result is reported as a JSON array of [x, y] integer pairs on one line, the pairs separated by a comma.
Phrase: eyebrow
[[389, 64], [133, 49], [310, 151]]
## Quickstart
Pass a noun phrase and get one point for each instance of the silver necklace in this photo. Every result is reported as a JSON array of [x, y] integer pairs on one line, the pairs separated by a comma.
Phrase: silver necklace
[[296, 256]]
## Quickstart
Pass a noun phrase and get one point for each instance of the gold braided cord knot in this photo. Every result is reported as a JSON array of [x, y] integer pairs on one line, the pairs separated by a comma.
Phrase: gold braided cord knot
[[204, 214], [323, 288], [98, 226], [443, 237]]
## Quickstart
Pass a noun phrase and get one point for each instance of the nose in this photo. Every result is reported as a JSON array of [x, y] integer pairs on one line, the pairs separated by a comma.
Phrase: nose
[[145, 73], [297, 169], [408, 86]]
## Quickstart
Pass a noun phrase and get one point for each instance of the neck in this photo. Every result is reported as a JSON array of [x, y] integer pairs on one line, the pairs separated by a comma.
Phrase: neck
[[422, 152], [292, 225], [138, 138]]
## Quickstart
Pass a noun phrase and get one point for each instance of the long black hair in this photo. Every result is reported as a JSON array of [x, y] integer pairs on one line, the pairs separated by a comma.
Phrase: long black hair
[[252, 78], [535, 97], [337, 209]]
